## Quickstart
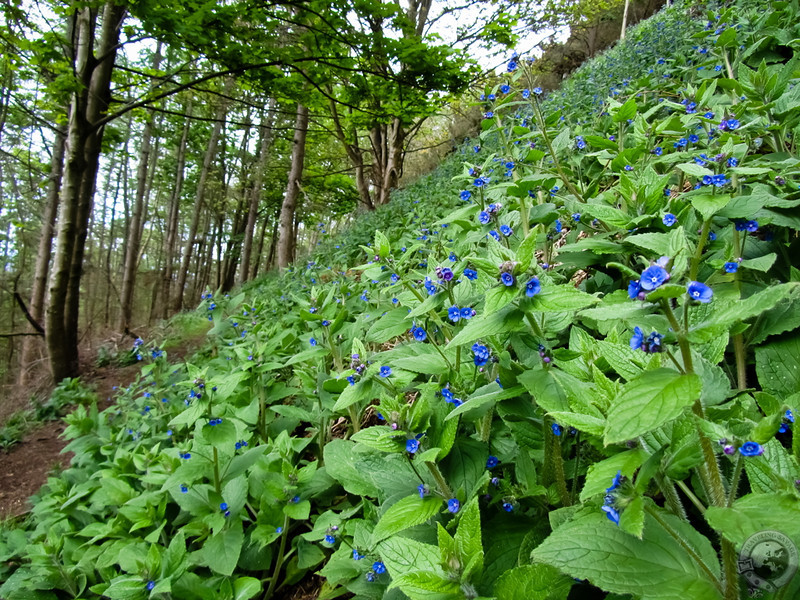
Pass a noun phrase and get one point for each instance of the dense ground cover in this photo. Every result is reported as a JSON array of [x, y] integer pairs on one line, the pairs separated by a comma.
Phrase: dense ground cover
[[569, 358]]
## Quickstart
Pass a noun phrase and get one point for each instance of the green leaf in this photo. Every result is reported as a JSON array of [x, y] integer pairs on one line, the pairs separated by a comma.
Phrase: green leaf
[[126, 588], [545, 389], [708, 205], [389, 326], [221, 551], [361, 390], [526, 250], [600, 474], [468, 536], [557, 298], [297, 510], [601, 143], [424, 585], [694, 169], [382, 245], [380, 437], [581, 422], [405, 513], [482, 399], [507, 319], [756, 512], [403, 555], [742, 310], [648, 401], [656, 567], [245, 588], [762, 263], [343, 465], [561, 141], [221, 435], [498, 297], [533, 582], [626, 111], [632, 518], [778, 365]]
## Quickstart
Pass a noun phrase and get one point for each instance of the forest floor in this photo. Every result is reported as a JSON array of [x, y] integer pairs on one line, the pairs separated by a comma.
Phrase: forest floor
[[25, 467]]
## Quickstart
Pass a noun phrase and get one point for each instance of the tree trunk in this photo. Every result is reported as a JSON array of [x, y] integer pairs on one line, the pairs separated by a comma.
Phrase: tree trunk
[[135, 224], [255, 192], [387, 166], [287, 230], [208, 161], [36, 306], [88, 105], [171, 239], [624, 20]]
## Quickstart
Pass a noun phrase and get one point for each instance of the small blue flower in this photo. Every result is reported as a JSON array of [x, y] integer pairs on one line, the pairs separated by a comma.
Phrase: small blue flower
[[419, 334], [470, 274], [312, 341], [506, 230], [699, 291], [412, 446], [150, 585], [422, 489], [325, 322], [637, 339], [385, 371], [537, 91], [454, 313], [492, 462], [481, 354], [507, 279], [379, 568], [508, 507], [533, 287], [556, 429], [558, 225], [634, 289], [669, 219], [495, 235], [526, 93], [505, 88], [279, 530], [356, 555], [653, 277], [615, 483], [751, 449], [453, 505], [611, 513], [576, 217], [484, 217], [466, 312], [184, 489], [731, 267], [223, 506], [329, 539]]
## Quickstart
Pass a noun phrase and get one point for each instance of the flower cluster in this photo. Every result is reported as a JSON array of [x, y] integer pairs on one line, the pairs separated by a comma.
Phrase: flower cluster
[[650, 345]]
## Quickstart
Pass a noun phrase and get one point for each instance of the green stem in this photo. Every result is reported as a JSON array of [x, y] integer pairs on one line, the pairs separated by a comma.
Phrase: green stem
[[217, 485], [413, 468], [273, 581], [485, 426], [698, 253], [730, 569], [355, 419], [557, 464], [737, 473], [671, 497], [741, 364], [690, 494], [686, 547], [683, 343], [556, 162], [440, 481]]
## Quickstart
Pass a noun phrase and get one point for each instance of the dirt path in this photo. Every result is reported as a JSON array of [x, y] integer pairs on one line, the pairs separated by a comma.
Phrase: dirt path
[[25, 468]]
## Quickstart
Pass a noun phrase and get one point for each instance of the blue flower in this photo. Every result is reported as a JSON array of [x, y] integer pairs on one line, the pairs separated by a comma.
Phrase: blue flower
[[470, 274], [481, 354], [351, 380], [652, 277], [466, 195], [611, 513], [669, 219], [751, 226], [751, 449], [466, 312], [150, 585], [484, 217], [658, 151], [356, 555], [506, 230], [223, 506], [492, 462], [731, 267], [379, 567], [453, 505], [479, 182], [511, 66], [699, 291], [558, 225], [533, 287], [329, 539], [615, 483], [454, 313], [507, 279], [637, 339], [184, 489], [576, 217], [419, 334], [412, 446], [312, 341], [505, 88], [526, 93], [495, 235], [423, 490], [385, 371], [634, 289], [556, 429], [537, 91]]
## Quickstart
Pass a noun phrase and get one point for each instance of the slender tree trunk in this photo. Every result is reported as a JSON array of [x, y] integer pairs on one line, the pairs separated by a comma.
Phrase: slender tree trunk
[[273, 242], [255, 192], [287, 229], [624, 20], [171, 239], [36, 306], [135, 224], [260, 248], [208, 161], [84, 141]]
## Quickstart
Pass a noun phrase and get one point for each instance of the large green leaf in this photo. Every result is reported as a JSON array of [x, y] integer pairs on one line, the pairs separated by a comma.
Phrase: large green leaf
[[507, 319], [757, 512], [648, 401], [406, 513], [533, 582], [424, 585], [403, 555], [656, 567], [221, 550], [778, 365]]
